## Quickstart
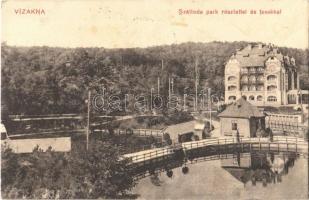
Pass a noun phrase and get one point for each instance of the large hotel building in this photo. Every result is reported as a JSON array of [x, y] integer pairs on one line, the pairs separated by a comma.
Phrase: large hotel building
[[263, 76]]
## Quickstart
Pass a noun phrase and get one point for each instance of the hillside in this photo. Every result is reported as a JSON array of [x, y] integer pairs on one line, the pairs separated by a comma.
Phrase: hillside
[[42, 80]]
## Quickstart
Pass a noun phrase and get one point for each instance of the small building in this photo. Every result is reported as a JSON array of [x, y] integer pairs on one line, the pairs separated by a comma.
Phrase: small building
[[241, 116]]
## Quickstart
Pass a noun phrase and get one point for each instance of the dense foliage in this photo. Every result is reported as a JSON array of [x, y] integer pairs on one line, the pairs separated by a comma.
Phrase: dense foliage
[[42, 80], [81, 174]]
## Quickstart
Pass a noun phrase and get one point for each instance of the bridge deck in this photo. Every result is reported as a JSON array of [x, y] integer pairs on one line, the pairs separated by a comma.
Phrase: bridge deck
[[295, 144]]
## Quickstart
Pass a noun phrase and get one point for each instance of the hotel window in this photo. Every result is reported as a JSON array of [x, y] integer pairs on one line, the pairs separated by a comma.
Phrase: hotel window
[[244, 78], [252, 78], [231, 88], [259, 98], [271, 87], [260, 88], [271, 98], [252, 88], [251, 98], [231, 78], [260, 78], [271, 78], [234, 125], [232, 97], [244, 88]]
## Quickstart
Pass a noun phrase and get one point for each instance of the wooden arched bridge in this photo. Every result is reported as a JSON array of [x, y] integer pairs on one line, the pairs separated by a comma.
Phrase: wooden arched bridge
[[150, 161], [221, 145]]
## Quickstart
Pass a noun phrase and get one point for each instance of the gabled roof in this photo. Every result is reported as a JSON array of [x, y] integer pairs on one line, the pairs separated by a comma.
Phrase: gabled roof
[[241, 109]]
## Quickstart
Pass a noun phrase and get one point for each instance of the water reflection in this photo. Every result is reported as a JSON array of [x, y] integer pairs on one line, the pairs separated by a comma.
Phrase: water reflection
[[256, 175], [253, 168]]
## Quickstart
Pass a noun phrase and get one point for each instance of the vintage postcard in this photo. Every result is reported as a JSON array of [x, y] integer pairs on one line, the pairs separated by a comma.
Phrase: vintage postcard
[[154, 99]]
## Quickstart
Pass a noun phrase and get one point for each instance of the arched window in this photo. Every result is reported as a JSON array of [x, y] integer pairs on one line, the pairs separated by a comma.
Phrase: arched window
[[244, 97], [260, 88], [271, 87], [271, 98], [232, 97], [251, 98], [244, 78], [231, 88], [244, 88], [231, 78], [260, 78], [252, 79], [252, 88], [271, 78], [259, 98]]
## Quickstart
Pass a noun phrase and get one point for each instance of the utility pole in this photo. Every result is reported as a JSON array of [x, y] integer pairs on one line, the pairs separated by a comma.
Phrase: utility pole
[[196, 84], [172, 82], [169, 88], [151, 98], [158, 85], [159, 76], [209, 106], [88, 119], [162, 65], [184, 102]]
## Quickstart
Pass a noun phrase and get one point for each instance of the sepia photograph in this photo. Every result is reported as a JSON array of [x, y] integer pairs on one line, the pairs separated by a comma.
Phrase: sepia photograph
[[154, 99]]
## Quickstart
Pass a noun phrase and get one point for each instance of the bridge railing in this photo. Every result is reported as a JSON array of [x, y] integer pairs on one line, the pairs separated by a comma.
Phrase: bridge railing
[[232, 140], [278, 142], [151, 154]]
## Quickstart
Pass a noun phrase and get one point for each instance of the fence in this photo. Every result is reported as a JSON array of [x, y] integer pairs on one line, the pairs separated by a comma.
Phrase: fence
[[289, 127], [137, 132]]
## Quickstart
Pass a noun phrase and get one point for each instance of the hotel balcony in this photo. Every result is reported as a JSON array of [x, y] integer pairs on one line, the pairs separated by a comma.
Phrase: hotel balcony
[[253, 81], [244, 71], [245, 81], [260, 82]]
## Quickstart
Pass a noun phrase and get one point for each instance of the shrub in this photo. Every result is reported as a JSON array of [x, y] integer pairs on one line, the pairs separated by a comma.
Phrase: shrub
[[96, 173]]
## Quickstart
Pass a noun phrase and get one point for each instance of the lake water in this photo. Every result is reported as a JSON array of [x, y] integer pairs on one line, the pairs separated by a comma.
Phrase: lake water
[[243, 176]]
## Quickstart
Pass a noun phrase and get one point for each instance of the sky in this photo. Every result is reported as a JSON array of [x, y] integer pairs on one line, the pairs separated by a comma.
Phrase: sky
[[143, 23]]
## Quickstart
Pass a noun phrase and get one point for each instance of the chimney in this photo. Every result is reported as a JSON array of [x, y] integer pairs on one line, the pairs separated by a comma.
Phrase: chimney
[[249, 47]]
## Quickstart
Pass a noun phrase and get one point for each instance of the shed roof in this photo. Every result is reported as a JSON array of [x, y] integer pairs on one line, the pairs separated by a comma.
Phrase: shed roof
[[199, 126], [241, 109]]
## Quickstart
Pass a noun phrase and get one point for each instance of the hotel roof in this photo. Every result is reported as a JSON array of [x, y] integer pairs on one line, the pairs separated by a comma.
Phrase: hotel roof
[[256, 55]]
